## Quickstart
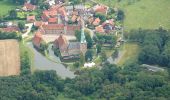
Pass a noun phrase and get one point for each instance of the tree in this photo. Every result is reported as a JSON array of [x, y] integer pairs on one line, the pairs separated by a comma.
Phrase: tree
[[149, 54], [102, 17], [103, 56], [98, 47], [89, 55], [120, 15], [21, 25], [76, 64], [82, 59], [36, 2], [115, 54], [113, 41], [21, 2], [44, 6], [78, 35], [25, 64], [89, 40], [74, 2], [1, 18], [13, 14], [43, 47]]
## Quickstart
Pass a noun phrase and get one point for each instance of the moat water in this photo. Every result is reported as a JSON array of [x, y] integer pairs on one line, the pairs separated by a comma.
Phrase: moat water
[[42, 63]]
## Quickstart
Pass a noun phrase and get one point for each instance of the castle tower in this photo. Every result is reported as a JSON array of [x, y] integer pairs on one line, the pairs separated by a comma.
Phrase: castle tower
[[83, 43]]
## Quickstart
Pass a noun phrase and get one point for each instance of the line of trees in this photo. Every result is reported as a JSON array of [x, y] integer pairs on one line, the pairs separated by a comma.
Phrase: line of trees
[[110, 83], [155, 46]]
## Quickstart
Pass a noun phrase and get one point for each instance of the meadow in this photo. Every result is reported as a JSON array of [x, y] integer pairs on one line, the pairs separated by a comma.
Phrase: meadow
[[146, 14], [6, 6]]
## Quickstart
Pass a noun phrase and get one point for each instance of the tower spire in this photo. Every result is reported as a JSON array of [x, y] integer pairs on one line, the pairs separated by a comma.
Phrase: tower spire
[[83, 38]]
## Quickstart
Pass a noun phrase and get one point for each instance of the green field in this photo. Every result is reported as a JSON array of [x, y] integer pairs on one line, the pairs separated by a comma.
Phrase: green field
[[6, 6], [146, 14]]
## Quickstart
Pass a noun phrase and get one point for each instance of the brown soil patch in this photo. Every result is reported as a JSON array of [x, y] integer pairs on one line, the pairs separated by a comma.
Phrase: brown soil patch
[[9, 58]]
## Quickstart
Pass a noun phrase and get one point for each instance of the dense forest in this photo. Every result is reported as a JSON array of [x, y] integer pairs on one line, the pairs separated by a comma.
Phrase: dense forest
[[129, 82], [155, 46]]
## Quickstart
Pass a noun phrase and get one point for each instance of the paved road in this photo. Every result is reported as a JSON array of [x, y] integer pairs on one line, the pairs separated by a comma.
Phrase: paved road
[[152, 68], [28, 30]]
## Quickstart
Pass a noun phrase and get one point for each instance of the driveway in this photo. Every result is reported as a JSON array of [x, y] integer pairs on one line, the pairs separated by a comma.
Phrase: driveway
[[29, 25]]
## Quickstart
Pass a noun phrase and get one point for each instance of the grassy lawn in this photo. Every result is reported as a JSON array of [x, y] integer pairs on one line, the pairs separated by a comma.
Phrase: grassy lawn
[[146, 14], [23, 14], [131, 51], [108, 51], [6, 6]]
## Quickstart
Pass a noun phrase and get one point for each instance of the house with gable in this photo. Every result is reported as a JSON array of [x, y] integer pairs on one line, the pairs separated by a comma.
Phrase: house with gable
[[28, 7], [101, 9]]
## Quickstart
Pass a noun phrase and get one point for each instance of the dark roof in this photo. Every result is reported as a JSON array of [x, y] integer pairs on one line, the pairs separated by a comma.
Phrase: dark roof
[[74, 45], [10, 29]]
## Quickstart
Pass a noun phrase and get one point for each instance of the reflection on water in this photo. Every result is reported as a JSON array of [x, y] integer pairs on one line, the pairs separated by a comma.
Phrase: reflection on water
[[42, 63]]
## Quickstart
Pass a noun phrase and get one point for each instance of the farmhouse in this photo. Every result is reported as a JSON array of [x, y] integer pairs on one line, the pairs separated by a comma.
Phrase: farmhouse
[[101, 9], [29, 7], [9, 58]]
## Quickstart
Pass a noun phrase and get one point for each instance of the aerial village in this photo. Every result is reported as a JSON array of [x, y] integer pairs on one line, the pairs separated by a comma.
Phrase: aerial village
[[80, 35]]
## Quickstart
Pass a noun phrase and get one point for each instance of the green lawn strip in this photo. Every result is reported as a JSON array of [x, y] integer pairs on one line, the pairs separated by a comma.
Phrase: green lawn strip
[[24, 48], [131, 51], [23, 14], [108, 51]]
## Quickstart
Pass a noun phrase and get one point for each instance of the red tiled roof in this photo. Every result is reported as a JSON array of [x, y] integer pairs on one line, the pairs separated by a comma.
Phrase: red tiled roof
[[10, 29], [99, 29], [30, 18], [96, 21], [40, 23], [29, 6], [53, 26], [61, 42], [62, 11], [74, 17], [37, 39], [75, 12], [55, 7], [72, 28], [101, 9], [50, 13], [52, 20]]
